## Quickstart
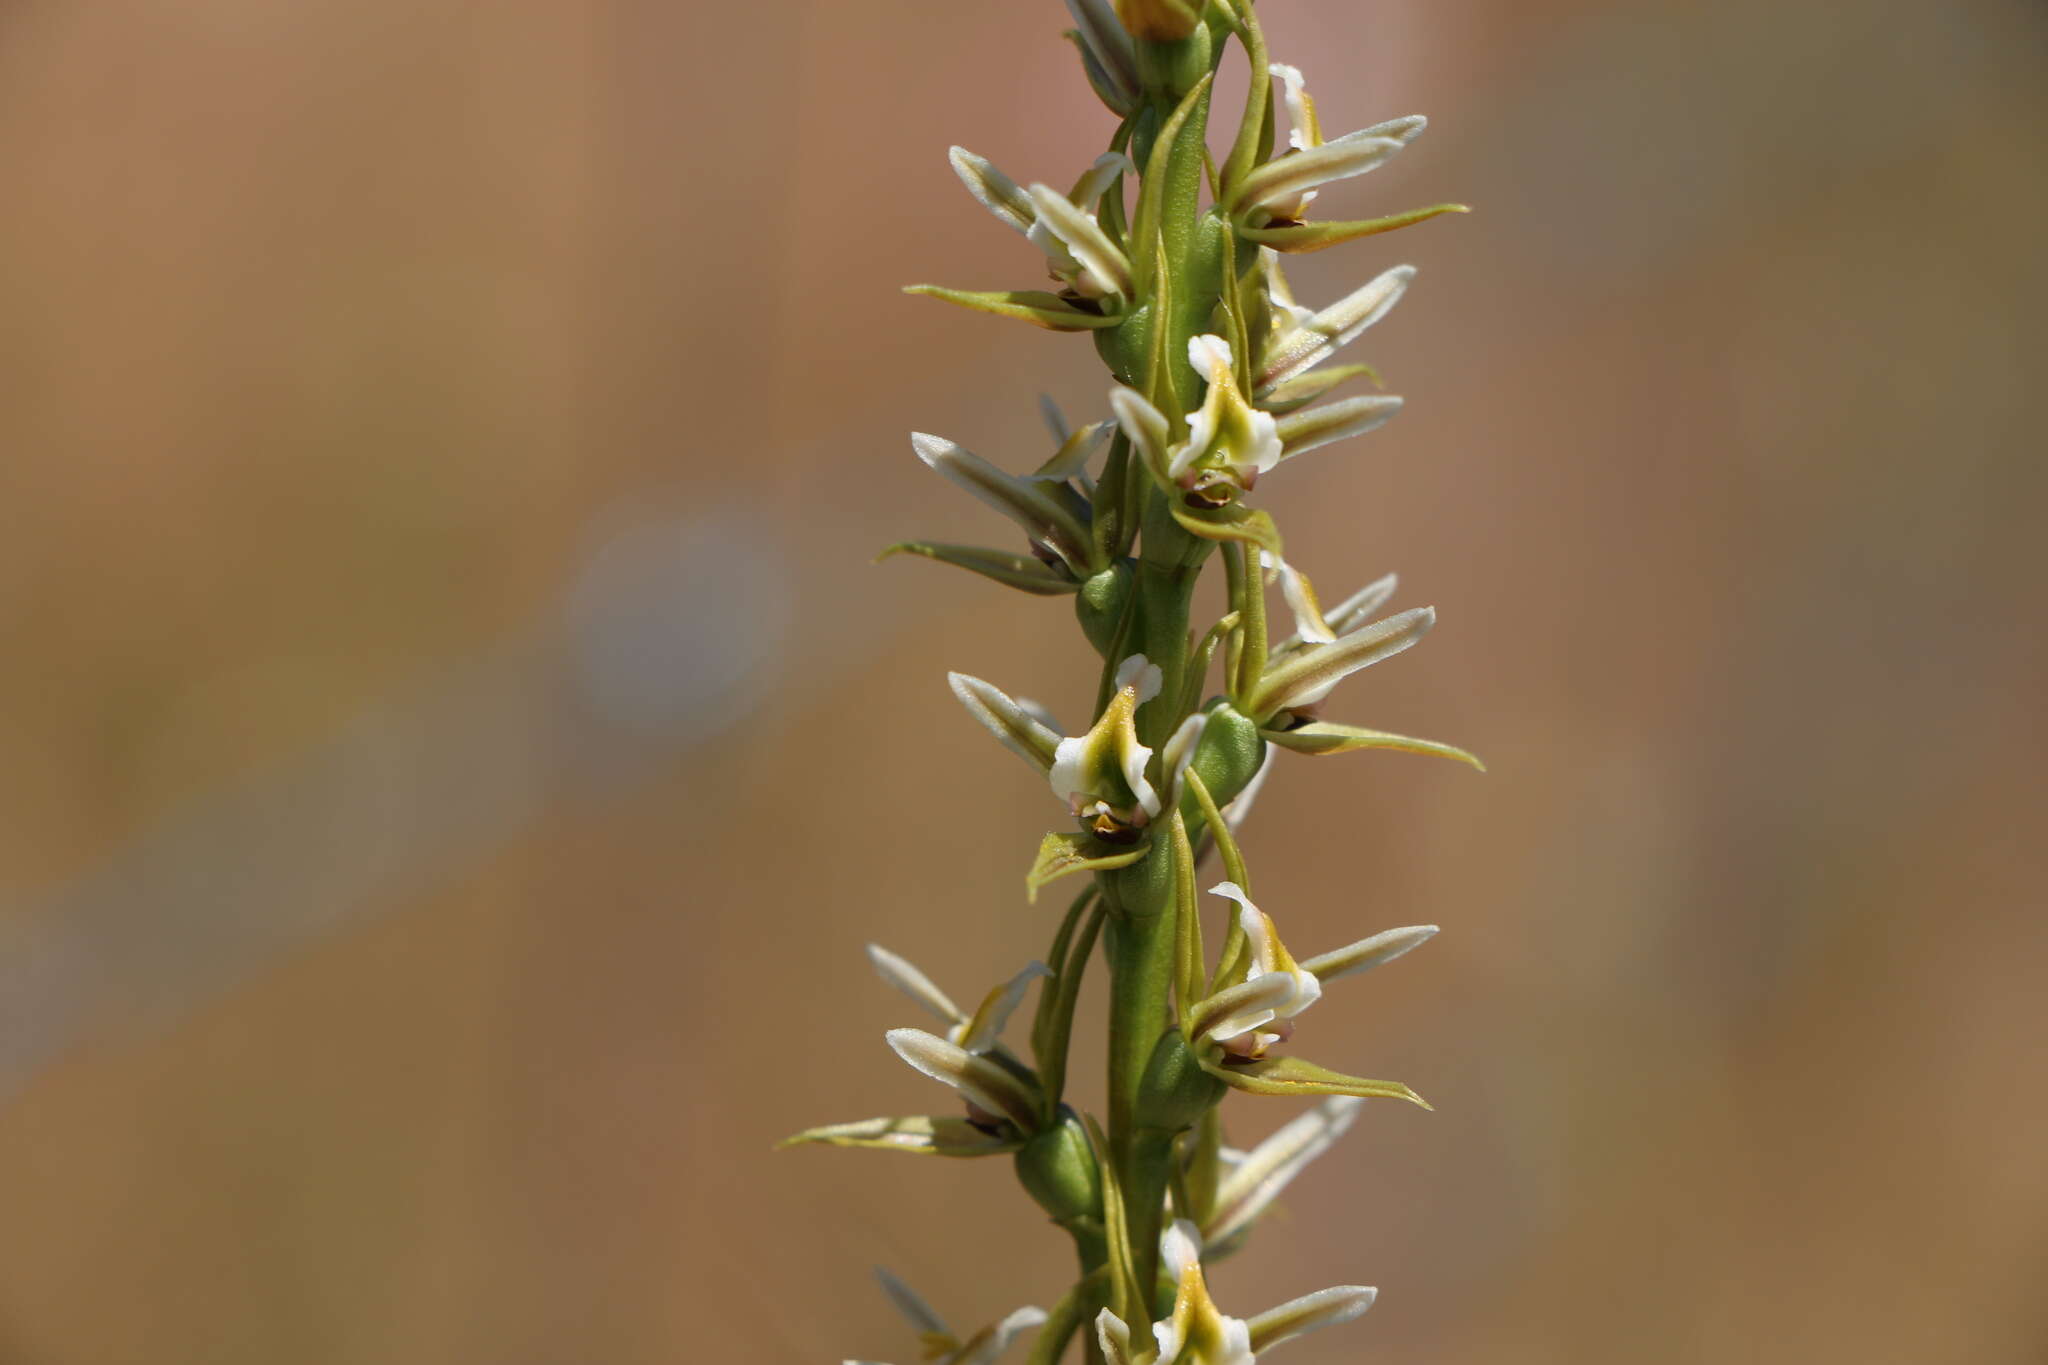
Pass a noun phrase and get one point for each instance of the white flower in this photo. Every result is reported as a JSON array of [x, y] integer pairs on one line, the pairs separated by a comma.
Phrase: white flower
[[1100, 775], [1275, 986], [1266, 985]]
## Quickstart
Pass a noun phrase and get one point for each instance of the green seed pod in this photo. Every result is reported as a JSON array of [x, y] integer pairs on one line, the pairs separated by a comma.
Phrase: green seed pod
[[1228, 757], [1176, 1092], [1058, 1168], [1100, 606]]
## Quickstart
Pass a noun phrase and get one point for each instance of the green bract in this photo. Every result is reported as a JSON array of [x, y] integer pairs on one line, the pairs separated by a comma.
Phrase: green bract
[[1171, 260]]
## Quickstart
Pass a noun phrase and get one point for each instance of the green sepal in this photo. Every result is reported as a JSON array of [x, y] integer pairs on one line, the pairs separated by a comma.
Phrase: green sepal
[[1303, 389], [1300, 237], [1294, 1076], [1034, 306], [1021, 572], [920, 1136], [1062, 855], [1232, 521], [1327, 737]]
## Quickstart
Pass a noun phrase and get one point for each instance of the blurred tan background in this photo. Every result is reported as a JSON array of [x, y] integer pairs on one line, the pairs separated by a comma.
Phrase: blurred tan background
[[455, 747]]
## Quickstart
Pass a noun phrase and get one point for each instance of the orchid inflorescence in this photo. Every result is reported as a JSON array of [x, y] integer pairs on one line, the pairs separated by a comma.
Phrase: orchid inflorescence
[[1171, 262]]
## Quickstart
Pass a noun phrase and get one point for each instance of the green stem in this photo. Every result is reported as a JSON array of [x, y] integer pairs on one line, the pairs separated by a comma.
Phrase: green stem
[[1059, 1025], [1248, 598]]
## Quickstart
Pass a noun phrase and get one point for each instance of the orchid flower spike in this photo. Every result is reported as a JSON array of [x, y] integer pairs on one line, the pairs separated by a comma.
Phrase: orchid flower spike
[[1199, 1333], [936, 1341]]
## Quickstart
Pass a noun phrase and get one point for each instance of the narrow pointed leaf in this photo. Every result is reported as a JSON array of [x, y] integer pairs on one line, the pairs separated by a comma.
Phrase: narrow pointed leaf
[[1294, 1076], [1368, 953], [1021, 572], [1256, 125], [1020, 732], [1327, 737], [1127, 1304], [1062, 855], [918, 1136], [912, 1306], [904, 975], [996, 192], [1169, 195], [1301, 432], [1034, 306], [1324, 1308], [1295, 238]]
